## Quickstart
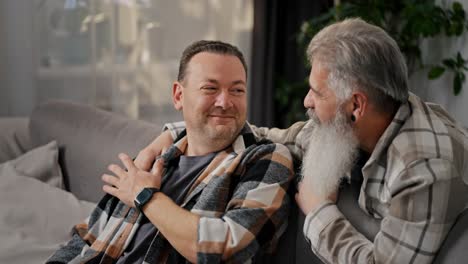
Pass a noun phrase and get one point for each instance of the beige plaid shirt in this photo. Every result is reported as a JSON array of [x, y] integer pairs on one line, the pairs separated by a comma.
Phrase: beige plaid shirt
[[414, 181]]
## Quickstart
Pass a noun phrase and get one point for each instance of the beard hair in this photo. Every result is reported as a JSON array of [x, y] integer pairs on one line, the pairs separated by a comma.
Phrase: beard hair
[[221, 133], [331, 152]]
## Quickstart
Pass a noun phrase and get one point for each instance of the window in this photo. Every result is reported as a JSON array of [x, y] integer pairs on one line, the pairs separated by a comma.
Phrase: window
[[122, 55]]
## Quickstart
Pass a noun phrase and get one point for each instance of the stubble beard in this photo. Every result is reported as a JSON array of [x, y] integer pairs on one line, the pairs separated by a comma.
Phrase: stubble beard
[[331, 153], [218, 134], [221, 133]]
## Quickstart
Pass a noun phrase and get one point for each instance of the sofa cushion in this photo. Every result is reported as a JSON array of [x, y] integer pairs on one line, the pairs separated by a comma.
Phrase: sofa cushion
[[89, 139], [35, 217], [40, 163], [14, 138]]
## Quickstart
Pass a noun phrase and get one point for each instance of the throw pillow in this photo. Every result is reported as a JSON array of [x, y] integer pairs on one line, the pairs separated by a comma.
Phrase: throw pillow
[[40, 163], [35, 217]]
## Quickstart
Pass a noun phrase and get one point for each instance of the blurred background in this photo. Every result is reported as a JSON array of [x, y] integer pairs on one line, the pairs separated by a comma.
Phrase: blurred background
[[122, 55]]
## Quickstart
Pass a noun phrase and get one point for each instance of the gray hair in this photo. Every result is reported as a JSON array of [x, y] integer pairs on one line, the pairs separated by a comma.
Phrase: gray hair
[[362, 57]]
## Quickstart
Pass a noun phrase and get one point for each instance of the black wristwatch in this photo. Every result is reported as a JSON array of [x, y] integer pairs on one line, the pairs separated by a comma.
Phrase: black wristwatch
[[144, 196]]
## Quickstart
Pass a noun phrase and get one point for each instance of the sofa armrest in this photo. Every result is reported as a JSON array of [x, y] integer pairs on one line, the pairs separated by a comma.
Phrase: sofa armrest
[[14, 138]]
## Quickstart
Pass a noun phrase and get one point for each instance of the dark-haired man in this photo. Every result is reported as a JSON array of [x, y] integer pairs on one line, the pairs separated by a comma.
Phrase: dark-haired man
[[216, 195]]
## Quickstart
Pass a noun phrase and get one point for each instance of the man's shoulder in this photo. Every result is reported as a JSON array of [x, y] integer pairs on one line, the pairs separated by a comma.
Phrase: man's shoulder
[[267, 146], [266, 150], [428, 133]]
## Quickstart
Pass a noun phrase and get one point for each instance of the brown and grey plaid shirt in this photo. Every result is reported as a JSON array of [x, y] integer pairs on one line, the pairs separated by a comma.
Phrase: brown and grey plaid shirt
[[414, 181], [240, 196]]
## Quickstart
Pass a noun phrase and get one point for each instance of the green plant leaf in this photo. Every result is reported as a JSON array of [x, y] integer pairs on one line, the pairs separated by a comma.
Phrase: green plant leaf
[[449, 63], [435, 72], [458, 9], [458, 81], [457, 28], [460, 60], [407, 21]]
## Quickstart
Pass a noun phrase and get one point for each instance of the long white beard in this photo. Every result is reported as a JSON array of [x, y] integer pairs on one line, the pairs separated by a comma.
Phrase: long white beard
[[331, 153]]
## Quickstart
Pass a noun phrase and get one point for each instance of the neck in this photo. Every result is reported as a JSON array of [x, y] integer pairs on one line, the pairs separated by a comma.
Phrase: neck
[[203, 146], [371, 129]]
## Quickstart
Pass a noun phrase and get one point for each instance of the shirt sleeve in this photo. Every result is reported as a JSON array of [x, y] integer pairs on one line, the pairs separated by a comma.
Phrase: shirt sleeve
[[295, 138], [422, 208], [74, 247], [257, 212], [84, 234]]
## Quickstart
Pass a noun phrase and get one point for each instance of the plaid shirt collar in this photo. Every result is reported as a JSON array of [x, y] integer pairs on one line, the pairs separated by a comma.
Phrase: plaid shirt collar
[[404, 111], [245, 139]]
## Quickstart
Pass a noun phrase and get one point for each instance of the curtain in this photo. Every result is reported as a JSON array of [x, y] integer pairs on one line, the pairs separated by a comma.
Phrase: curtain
[[275, 53]]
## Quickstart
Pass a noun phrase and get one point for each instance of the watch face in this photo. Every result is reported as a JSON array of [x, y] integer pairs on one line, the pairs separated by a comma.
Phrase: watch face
[[144, 196]]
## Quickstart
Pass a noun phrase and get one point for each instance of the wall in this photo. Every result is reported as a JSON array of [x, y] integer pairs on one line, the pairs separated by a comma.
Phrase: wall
[[23, 86], [3, 90], [16, 52]]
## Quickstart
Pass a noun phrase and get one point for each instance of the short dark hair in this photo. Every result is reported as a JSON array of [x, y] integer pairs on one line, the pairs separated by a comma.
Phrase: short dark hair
[[210, 46]]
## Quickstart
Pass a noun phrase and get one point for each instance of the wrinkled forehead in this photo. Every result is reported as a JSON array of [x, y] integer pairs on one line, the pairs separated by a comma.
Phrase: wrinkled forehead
[[214, 66], [209, 57], [318, 77]]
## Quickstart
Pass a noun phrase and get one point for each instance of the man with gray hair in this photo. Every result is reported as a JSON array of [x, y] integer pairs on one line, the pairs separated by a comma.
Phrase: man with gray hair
[[412, 154], [408, 157]]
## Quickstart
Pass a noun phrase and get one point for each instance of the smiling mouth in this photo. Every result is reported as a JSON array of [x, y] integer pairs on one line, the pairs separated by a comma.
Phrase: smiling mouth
[[221, 116]]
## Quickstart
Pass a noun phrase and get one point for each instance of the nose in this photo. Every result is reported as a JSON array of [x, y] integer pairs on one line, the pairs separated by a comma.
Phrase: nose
[[223, 100], [309, 100]]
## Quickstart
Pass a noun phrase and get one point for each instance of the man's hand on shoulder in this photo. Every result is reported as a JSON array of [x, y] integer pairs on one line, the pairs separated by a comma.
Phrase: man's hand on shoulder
[[126, 184], [146, 156]]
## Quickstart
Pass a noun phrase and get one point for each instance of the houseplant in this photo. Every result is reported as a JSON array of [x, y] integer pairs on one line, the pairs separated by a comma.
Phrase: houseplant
[[407, 21]]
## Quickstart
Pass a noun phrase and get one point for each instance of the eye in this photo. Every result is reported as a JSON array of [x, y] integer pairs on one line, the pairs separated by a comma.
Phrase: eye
[[315, 92], [209, 89], [237, 91]]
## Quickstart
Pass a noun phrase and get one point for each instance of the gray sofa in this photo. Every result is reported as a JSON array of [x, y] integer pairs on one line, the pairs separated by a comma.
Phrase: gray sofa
[[89, 139]]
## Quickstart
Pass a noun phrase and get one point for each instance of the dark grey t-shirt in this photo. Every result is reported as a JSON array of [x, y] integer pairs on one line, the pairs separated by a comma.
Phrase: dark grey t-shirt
[[176, 186]]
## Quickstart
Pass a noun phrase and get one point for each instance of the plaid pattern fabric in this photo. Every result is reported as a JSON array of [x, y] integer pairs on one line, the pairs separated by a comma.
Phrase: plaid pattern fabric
[[413, 182], [240, 196], [294, 138]]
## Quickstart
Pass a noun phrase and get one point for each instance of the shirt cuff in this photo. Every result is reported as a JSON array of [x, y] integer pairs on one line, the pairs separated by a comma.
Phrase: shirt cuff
[[317, 220], [174, 128]]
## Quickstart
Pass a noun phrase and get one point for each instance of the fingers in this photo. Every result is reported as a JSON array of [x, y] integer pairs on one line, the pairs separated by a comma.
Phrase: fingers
[[109, 179], [144, 159], [117, 170], [158, 167], [299, 186], [164, 149], [297, 198], [110, 190], [127, 162]]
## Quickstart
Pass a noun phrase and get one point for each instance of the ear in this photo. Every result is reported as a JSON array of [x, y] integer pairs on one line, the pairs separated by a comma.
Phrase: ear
[[177, 95], [359, 104]]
